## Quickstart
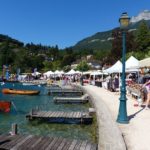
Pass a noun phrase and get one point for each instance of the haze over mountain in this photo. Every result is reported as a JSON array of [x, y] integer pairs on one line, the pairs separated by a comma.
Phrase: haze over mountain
[[102, 40]]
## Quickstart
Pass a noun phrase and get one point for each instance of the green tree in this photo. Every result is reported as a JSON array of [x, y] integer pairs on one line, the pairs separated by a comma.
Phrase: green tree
[[143, 37], [116, 52], [83, 66], [47, 66]]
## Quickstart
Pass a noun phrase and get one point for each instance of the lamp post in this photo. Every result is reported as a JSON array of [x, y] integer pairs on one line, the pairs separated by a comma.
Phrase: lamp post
[[122, 114]]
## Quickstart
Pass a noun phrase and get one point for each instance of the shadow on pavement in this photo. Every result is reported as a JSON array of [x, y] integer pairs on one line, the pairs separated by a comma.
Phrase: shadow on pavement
[[133, 115]]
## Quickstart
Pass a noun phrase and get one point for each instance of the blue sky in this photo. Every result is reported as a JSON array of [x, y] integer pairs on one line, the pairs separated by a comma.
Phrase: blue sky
[[62, 22]]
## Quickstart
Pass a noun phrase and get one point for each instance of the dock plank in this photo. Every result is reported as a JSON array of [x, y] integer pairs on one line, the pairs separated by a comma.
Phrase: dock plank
[[73, 144], [56, 145], [62, 117], [31, 142], [50, 139], [67, 145], [60, 147], [9, 142], [36, 142], [77, 146], [28, 143], [21, 142], [83, 145], [51, 144], [40, 144]]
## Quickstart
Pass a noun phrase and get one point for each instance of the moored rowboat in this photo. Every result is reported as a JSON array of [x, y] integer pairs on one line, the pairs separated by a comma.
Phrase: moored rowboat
[[21, 92], [5, 106]]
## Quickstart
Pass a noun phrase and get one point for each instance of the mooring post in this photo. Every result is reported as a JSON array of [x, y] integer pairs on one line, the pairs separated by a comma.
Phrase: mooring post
[[91, 111], [31, 112], [14, 129]]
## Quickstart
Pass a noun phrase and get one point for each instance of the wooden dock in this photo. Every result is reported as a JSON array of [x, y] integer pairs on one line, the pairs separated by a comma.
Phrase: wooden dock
[[65, 92], [32, 142], [60, 117], [70, 100]]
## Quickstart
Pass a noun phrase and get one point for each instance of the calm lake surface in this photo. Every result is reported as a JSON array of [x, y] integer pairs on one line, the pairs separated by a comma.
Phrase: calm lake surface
[[25, 103]]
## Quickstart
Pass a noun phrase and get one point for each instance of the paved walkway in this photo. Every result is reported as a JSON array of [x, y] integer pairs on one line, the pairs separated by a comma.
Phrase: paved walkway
[[136, 134]]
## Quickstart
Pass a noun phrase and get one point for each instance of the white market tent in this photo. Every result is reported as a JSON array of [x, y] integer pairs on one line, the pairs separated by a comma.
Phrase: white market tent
[[48, 73], [36, 73], [78, 72], [94, 73], [144, 63], [116, 68], [132, 63], [58, 73], [61, 72], [71, 72], [87, 72]]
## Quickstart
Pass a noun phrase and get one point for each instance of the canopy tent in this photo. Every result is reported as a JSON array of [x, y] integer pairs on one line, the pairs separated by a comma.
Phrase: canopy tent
[[87, 72], [116, 68], [78, 72], [36, 73], [144, 63], [48, 73], [132, 63], [57, 72], [61, 72], [96, 73], [71, 72]]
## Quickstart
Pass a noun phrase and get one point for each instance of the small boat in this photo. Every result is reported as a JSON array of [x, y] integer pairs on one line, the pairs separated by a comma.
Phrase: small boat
[[5, 106], [21, 92], [27, 83]]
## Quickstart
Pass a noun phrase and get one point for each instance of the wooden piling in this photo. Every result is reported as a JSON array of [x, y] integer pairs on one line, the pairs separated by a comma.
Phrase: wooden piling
[[14, 129]]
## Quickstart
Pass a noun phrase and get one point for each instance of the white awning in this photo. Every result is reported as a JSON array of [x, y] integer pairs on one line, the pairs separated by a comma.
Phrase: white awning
[[132, 63], [144, 63]]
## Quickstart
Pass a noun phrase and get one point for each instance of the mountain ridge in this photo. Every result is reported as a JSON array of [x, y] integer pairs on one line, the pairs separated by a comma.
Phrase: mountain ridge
[[102, 40]]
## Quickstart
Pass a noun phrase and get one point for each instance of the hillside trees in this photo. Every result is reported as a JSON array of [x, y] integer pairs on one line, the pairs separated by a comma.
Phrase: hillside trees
[[68, 57], [7, 55], [143, 37], [83, 66], [116, 51]]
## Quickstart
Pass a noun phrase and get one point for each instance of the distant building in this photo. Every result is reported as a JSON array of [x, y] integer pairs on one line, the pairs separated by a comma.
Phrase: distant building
[[73, 66], [94, 64], [89, 57]]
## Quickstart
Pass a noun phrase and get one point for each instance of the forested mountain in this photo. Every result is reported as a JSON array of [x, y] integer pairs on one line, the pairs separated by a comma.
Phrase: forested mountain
[[103, 40], [104, 46]]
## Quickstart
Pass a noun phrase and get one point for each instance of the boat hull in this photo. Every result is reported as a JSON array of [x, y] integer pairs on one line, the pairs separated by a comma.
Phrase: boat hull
[[5, 106], [20, 92]]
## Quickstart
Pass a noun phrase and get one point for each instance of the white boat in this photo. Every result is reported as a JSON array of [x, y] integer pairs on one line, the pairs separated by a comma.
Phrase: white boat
[[27, 83]]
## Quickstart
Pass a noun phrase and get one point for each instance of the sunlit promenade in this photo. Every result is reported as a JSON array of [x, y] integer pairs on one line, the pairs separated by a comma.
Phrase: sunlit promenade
[[112, 135]]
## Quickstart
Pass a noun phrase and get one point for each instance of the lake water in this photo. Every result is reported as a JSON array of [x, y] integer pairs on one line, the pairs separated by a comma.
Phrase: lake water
[[25, 103]]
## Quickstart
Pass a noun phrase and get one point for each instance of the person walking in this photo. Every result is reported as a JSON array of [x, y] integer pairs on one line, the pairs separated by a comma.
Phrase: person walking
[[147, 86]]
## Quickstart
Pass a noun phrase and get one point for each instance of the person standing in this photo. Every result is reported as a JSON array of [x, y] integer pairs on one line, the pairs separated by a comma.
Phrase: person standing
[[147, 85]]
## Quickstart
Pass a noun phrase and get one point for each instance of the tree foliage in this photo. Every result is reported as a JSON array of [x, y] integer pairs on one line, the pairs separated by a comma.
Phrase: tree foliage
[[83, 66], [116, 51], [143, 37]]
